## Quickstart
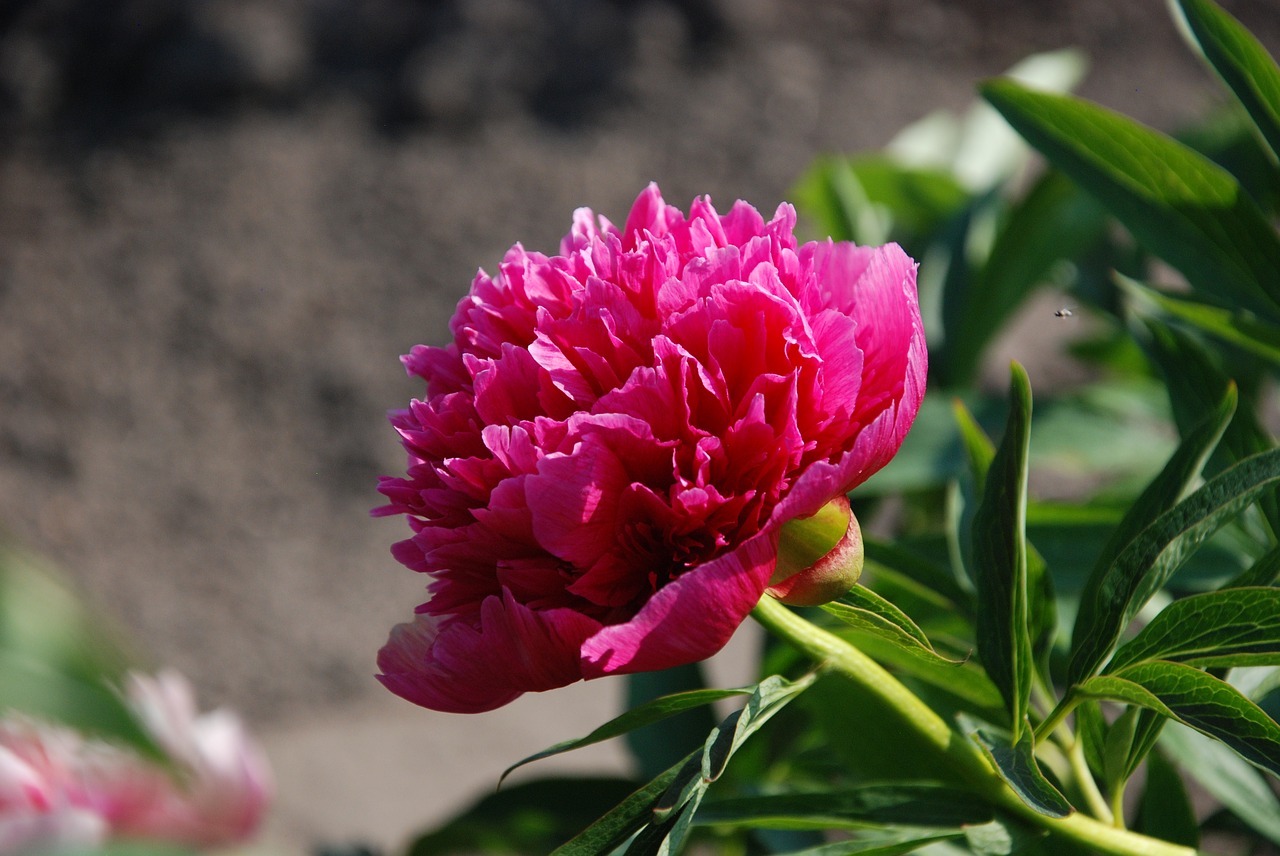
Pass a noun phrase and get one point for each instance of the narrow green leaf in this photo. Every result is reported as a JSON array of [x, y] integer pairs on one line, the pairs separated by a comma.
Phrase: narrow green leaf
[[1017, 765], [1195, 378], [655, 747], [1232, 627], [1241, 60], [1055, 220], [1171, 485], [862, 608], [44, 619], [1165, 810], [1227, 777], [915, 804], [1091, 726], [1001, 837], [85, 705], [674, 810], [932, 580], [1000, 560], [770, 696], [1198, 699], [978, 448], [1144, 566], [1263, 572], [646, 714], [1179, 204], [1141, 731], [965, 680], [883, 842], [871, 199], [531, 817], [667, 835], [1147, 731], [1232, 325], [624, 819], [1115, 752]]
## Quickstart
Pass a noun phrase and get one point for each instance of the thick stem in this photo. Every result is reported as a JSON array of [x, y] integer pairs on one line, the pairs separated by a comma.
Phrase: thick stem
[[952, 748]]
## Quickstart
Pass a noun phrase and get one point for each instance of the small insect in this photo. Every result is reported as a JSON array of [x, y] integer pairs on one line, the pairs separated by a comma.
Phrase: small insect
[[1064, 312]]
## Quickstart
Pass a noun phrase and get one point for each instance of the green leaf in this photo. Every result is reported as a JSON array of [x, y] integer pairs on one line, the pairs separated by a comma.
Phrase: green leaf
[[668, 834], [1243, 62], [915, 804], [770, 696], [883, 842], [657, 746], [623, 820], [872, 199], [1229, 138], [1263, 572], [1017, 765], [862, 608], [1227, 777], [1182, 206], [43, 619], [674, 810], [1147, 731], [1054, 221], [1000, 560], [1165, 810], [88, 706], [932, 581], [964, 680], [978, 448], [646, 714], [1195, 379], [1091, 726], [1198, 699], [531, 817], [1000, 837], [1233, 325], [1173, 483], [1115, 751], [1232, 627], [1145, 565]]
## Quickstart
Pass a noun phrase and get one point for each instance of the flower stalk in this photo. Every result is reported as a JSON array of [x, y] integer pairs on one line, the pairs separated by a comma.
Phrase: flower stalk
[[952, 749]]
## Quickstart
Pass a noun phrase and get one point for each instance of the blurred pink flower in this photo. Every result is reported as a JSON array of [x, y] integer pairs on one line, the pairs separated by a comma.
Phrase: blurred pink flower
[[59, 790], [608, 448]]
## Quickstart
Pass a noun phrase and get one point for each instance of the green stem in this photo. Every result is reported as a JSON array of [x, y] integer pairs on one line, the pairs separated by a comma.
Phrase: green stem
[[1088, 787], [952, 748], [1117, 806], [1057, 716]]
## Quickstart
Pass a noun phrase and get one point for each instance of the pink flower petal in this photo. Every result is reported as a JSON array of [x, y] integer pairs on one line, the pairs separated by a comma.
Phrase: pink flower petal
[[454, 667], [689, 619], [609, 446]]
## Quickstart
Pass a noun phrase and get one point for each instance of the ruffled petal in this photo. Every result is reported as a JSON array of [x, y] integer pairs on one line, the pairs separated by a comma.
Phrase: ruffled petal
[[689, 619], [454, 667]]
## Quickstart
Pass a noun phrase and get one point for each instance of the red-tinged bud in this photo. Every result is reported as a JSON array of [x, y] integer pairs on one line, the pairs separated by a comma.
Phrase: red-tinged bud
[[819, 557]]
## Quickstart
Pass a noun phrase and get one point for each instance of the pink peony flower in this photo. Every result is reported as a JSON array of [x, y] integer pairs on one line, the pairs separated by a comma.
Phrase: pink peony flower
[[61, 791], [608, 448]]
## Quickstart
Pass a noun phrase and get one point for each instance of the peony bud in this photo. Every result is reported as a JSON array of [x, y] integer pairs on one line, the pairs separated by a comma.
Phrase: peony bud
[[819, 557]]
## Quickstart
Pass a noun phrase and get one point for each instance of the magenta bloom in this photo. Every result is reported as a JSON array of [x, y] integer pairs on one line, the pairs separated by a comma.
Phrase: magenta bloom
[[608, 448]]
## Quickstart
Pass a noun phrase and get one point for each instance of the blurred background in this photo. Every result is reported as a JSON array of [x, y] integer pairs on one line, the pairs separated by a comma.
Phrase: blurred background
[[222, 221]]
